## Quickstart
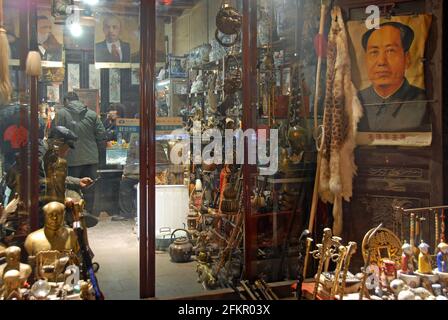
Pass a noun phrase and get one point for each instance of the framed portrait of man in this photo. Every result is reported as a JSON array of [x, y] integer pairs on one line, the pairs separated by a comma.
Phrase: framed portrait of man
[[50, 39], [117, 41], [388, 71], [11, 25]]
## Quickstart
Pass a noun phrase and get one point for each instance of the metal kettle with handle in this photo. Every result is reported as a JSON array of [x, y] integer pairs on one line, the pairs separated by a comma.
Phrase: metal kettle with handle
[[181, 248]]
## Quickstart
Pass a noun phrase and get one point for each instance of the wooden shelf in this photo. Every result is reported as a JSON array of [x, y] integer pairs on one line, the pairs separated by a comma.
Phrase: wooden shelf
[[287, 180], [270, 214]]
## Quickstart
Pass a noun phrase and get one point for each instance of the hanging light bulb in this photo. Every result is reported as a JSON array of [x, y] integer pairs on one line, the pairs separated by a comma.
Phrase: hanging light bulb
[[75, 30], [73, 24]]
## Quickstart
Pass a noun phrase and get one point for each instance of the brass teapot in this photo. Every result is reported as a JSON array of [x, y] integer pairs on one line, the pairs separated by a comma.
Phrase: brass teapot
[[181, 248]]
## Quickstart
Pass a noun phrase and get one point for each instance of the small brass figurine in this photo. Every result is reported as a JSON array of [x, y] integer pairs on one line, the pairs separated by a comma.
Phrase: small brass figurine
[[86, 291], [53, 236], [11, 286], [205, 274], [13, 263]]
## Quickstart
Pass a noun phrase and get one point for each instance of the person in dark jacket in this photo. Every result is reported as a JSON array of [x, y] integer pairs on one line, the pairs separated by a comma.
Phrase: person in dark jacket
[[116, 110], [86, 124]]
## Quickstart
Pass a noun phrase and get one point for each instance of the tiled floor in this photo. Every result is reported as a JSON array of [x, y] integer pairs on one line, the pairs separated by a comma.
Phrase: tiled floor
[[116, 250]]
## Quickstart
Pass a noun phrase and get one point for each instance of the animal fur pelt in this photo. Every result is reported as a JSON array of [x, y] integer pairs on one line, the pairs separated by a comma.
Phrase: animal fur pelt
[[341, 116]]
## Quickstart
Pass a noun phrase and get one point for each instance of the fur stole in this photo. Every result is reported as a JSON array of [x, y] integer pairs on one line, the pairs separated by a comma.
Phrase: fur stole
[[341, 116]]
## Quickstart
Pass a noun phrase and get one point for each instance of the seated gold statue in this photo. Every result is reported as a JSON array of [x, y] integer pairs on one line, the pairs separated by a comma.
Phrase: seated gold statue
[[11, 286], [53, 236], [13, 255]]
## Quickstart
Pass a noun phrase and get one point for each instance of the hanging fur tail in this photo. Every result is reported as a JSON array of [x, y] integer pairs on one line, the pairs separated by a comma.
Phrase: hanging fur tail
[[337, 216], [33, 64], [5, 80], [343, 111]]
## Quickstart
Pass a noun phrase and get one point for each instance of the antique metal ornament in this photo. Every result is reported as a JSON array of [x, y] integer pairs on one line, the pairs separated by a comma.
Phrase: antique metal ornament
[[330, 249], [205, 272], [233, 81], [11, 286], [181, 249], [383, 244], [13, 255], [228, 22]]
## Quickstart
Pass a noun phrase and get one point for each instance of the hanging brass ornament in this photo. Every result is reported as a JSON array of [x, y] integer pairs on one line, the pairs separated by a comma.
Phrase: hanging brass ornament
[[233, 81], [228, 22]]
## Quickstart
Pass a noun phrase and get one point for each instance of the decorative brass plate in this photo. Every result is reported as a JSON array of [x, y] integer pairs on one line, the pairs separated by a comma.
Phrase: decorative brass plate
[[384, 245]]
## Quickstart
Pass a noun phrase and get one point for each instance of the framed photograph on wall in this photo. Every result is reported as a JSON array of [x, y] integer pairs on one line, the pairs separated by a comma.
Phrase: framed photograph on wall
[[117, 41], [50, 37], [11, 23]]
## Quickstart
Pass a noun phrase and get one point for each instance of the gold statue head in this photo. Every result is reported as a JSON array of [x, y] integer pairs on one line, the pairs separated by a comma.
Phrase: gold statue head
[[54, 215], [13, 255]]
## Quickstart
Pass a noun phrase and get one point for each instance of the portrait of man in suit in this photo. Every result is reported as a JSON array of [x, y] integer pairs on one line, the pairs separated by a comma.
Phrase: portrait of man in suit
[[49, 47], [391, 102], [11, 33], [112, 48]]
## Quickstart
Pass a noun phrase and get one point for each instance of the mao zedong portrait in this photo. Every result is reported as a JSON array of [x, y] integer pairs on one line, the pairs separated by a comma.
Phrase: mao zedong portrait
[[112, 48], [391, 103]]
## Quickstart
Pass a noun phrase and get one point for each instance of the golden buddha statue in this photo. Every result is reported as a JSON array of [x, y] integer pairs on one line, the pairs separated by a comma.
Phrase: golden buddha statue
[[11, 286], [13, 255], [53, 236]]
